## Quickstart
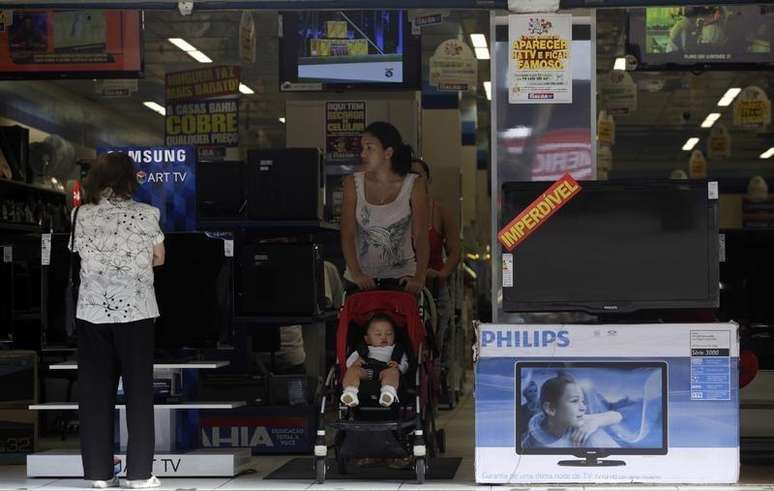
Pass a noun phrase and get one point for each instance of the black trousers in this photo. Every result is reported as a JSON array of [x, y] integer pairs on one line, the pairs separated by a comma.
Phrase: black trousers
[[105, 352]]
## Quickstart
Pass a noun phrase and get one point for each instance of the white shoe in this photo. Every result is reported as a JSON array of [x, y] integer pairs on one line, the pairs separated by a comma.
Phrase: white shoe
[[112, 483], [388, 396], [349, 397], [152, 482]]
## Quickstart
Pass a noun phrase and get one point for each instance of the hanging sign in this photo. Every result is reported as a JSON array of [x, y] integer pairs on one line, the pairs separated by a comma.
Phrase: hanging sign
[[116, 87], [453, 66], [247, 38], [424, 17], [6, 19], [344, 125], [697, 165], [537, 213], [605, 129], [619, 93], [719, 143], [604, 159], [539, 68], [752, 108]]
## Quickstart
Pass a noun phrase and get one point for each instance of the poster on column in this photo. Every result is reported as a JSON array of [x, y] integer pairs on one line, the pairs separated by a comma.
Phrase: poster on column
[[539, 70], [167, 180], [202, 108], [344, 124]]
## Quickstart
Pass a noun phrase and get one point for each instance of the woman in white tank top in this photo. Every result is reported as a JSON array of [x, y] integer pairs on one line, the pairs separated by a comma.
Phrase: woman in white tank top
[[384, 219]]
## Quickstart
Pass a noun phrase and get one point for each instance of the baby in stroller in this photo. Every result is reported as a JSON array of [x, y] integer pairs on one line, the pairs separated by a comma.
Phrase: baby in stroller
[[379, 358]]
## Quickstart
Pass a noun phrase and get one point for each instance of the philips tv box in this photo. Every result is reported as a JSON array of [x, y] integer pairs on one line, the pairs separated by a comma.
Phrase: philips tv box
[[607, 403]]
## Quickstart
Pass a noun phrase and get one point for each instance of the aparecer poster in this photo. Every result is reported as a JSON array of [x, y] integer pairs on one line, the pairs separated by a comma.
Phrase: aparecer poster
[[203, 107], [344, 125], [539, 70]]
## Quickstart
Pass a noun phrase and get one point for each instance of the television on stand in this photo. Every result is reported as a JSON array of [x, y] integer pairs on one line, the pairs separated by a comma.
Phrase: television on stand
[[617, 247], [591, 410]]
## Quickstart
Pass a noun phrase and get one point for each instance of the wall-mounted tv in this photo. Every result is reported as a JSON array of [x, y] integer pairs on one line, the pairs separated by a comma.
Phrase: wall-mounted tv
[[334, 49], [556, 403], [617, 247], [720, 37], [48, 44]]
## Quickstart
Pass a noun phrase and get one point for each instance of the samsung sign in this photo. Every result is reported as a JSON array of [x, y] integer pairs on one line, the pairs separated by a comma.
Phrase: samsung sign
[[536, 338]]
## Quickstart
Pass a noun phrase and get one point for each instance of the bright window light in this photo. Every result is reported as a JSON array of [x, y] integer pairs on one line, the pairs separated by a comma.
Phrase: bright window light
[[710, 120], [245, 89], [768, 153], [620, 64], [154, 106], [482, 53], [488, 89], [690, 143], [729, 97], [478, 40]]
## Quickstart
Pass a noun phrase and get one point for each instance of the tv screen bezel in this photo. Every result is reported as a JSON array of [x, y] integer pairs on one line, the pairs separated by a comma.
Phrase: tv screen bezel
[[589, 451], [93, 74], [711, 301], [288, 59], [636, 39]]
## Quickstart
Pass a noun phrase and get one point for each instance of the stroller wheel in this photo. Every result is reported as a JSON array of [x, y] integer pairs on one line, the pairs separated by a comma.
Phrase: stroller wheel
[[319, 469], [421, 468]]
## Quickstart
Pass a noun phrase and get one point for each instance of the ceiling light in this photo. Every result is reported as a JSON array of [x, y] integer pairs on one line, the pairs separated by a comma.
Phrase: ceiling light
[[620, 64], [710, 120], [154, 106], [182, 44], [478, 40], [482, 53], [488, 89], [729, 97], [199, 56], [690, 143], [518, 132], [282, 120], [245, 89], [768, 153]]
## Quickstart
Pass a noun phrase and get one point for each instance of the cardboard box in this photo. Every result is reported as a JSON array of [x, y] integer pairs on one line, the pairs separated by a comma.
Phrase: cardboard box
[[607, 403]]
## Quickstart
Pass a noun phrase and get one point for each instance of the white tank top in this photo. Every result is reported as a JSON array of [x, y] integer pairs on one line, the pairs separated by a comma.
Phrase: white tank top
[[383, 238]]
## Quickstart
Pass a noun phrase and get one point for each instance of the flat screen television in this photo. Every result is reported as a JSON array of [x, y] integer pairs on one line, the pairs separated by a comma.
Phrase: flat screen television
[[50, 43], [718, 37], [617, 246], [627, 401], [348, 49]]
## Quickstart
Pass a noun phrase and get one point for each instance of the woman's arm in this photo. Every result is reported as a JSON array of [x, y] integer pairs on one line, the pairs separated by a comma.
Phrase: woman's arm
[[419, 230], [593, 422], [348, 231], [451, 232], [159, 254]]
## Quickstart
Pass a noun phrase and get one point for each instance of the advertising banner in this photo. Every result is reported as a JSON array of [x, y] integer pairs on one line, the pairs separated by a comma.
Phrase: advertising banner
[[539, 63], [752, 108], [344, 124], [453, 66], [167, 178]]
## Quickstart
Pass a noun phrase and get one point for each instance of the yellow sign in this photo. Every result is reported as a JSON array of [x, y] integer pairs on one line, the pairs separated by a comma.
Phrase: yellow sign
[[697, 166], [605, 129], [719, 143], [336, 29], [752, 108]]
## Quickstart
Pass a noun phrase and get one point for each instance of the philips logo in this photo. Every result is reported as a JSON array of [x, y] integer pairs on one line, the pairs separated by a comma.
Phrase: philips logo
[[525, 339]]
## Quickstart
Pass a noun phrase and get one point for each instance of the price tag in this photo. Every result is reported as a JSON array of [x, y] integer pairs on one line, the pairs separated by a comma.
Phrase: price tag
[[228, 248], [710, 365], [712, 190], [7, 254], [507, 270], [45, 249]]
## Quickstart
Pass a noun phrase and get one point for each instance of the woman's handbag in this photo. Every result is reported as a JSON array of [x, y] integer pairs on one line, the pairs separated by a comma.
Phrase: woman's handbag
[[73, 281]]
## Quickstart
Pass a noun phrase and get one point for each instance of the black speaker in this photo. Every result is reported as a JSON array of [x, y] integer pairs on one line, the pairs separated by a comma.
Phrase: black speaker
[[220, 191], [278, 279], [287, 184]]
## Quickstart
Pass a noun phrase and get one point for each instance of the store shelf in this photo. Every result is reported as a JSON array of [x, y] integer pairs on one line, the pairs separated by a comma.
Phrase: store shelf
[[73, 406], [285, 320], [756, 404], [295, 226], [17, 227], [194, 365]]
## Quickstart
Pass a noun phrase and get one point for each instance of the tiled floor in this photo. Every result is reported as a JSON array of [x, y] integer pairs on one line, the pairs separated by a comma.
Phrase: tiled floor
[[459, 433]]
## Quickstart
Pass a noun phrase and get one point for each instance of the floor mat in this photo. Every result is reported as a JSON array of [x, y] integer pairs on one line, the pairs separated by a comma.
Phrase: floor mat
[[443, 468]]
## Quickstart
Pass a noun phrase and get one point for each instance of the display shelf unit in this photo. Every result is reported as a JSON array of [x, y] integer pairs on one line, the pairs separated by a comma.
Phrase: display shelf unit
[[293, 226], [28, 208], [175, 422]]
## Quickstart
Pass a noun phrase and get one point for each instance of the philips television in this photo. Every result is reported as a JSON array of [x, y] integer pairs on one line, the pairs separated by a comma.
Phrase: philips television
[[718, 37], [48, 44], [617, 247], [591, 410], [335, 49]]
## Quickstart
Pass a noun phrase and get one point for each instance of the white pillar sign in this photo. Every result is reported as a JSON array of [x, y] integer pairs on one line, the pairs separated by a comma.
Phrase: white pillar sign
[[539, 70]]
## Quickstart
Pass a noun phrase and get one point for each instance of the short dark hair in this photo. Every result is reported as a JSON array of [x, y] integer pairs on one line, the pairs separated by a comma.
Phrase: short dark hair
[[389, 136], [424, 165], [111, 170], [379, 317], [553, 389]]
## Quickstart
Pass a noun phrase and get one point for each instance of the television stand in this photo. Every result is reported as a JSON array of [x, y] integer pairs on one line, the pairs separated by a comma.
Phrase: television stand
[[591, 461]]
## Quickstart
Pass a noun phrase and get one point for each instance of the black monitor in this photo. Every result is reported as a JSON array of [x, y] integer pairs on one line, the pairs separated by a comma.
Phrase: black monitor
[[710, 37], [220, 191], [628, 402], [616, 247], [336, 49]]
